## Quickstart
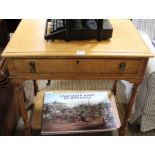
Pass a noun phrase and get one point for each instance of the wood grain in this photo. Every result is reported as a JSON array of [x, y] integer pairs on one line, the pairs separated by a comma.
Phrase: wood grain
[[28, 41], [108, 66]]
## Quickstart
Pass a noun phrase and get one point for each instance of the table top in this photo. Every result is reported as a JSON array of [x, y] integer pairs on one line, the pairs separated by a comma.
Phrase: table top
[[28, 41]]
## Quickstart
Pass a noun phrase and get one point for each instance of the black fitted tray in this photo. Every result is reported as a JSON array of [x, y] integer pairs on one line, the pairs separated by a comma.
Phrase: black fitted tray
[[81, 34]]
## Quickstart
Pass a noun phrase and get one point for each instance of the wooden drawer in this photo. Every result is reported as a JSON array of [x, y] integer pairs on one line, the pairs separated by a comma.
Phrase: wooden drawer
[[106, 66]]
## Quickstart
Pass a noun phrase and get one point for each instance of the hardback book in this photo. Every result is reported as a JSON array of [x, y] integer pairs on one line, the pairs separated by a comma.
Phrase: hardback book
[[78, 111]]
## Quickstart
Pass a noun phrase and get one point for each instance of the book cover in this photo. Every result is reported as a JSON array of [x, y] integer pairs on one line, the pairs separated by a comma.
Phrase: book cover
[[81, 111]]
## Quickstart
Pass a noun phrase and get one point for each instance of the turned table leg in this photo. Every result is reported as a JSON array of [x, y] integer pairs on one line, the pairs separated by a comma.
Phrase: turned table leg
[[124, 126], [23, 92], [36, 87], [22, 108], [114, 87], [48, 82]]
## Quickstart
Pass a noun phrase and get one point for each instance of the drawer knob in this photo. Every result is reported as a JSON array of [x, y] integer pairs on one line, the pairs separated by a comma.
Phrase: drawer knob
[[32, 67], [122, 67]]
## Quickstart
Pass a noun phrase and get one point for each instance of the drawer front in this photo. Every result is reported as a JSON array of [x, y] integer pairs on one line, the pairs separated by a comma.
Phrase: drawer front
[[107, 66]]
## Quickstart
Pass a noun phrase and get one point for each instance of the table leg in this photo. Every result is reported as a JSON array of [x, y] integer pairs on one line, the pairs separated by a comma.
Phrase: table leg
[[114, 87], [22, 108], [48, 82], [124, 126], [23, 92], [36, 87]]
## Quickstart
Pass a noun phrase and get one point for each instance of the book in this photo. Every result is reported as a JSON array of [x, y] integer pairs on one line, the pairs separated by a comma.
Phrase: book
[[79, 111]]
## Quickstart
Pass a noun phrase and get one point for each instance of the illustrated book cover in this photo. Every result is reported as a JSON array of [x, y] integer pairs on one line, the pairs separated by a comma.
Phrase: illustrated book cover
[[78, 111]]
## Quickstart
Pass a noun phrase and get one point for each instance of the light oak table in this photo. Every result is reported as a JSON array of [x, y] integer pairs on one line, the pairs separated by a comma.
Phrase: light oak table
[[30, 56]]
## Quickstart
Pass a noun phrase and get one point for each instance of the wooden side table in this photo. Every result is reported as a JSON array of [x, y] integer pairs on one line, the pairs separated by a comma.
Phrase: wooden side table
[[30, 57]]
